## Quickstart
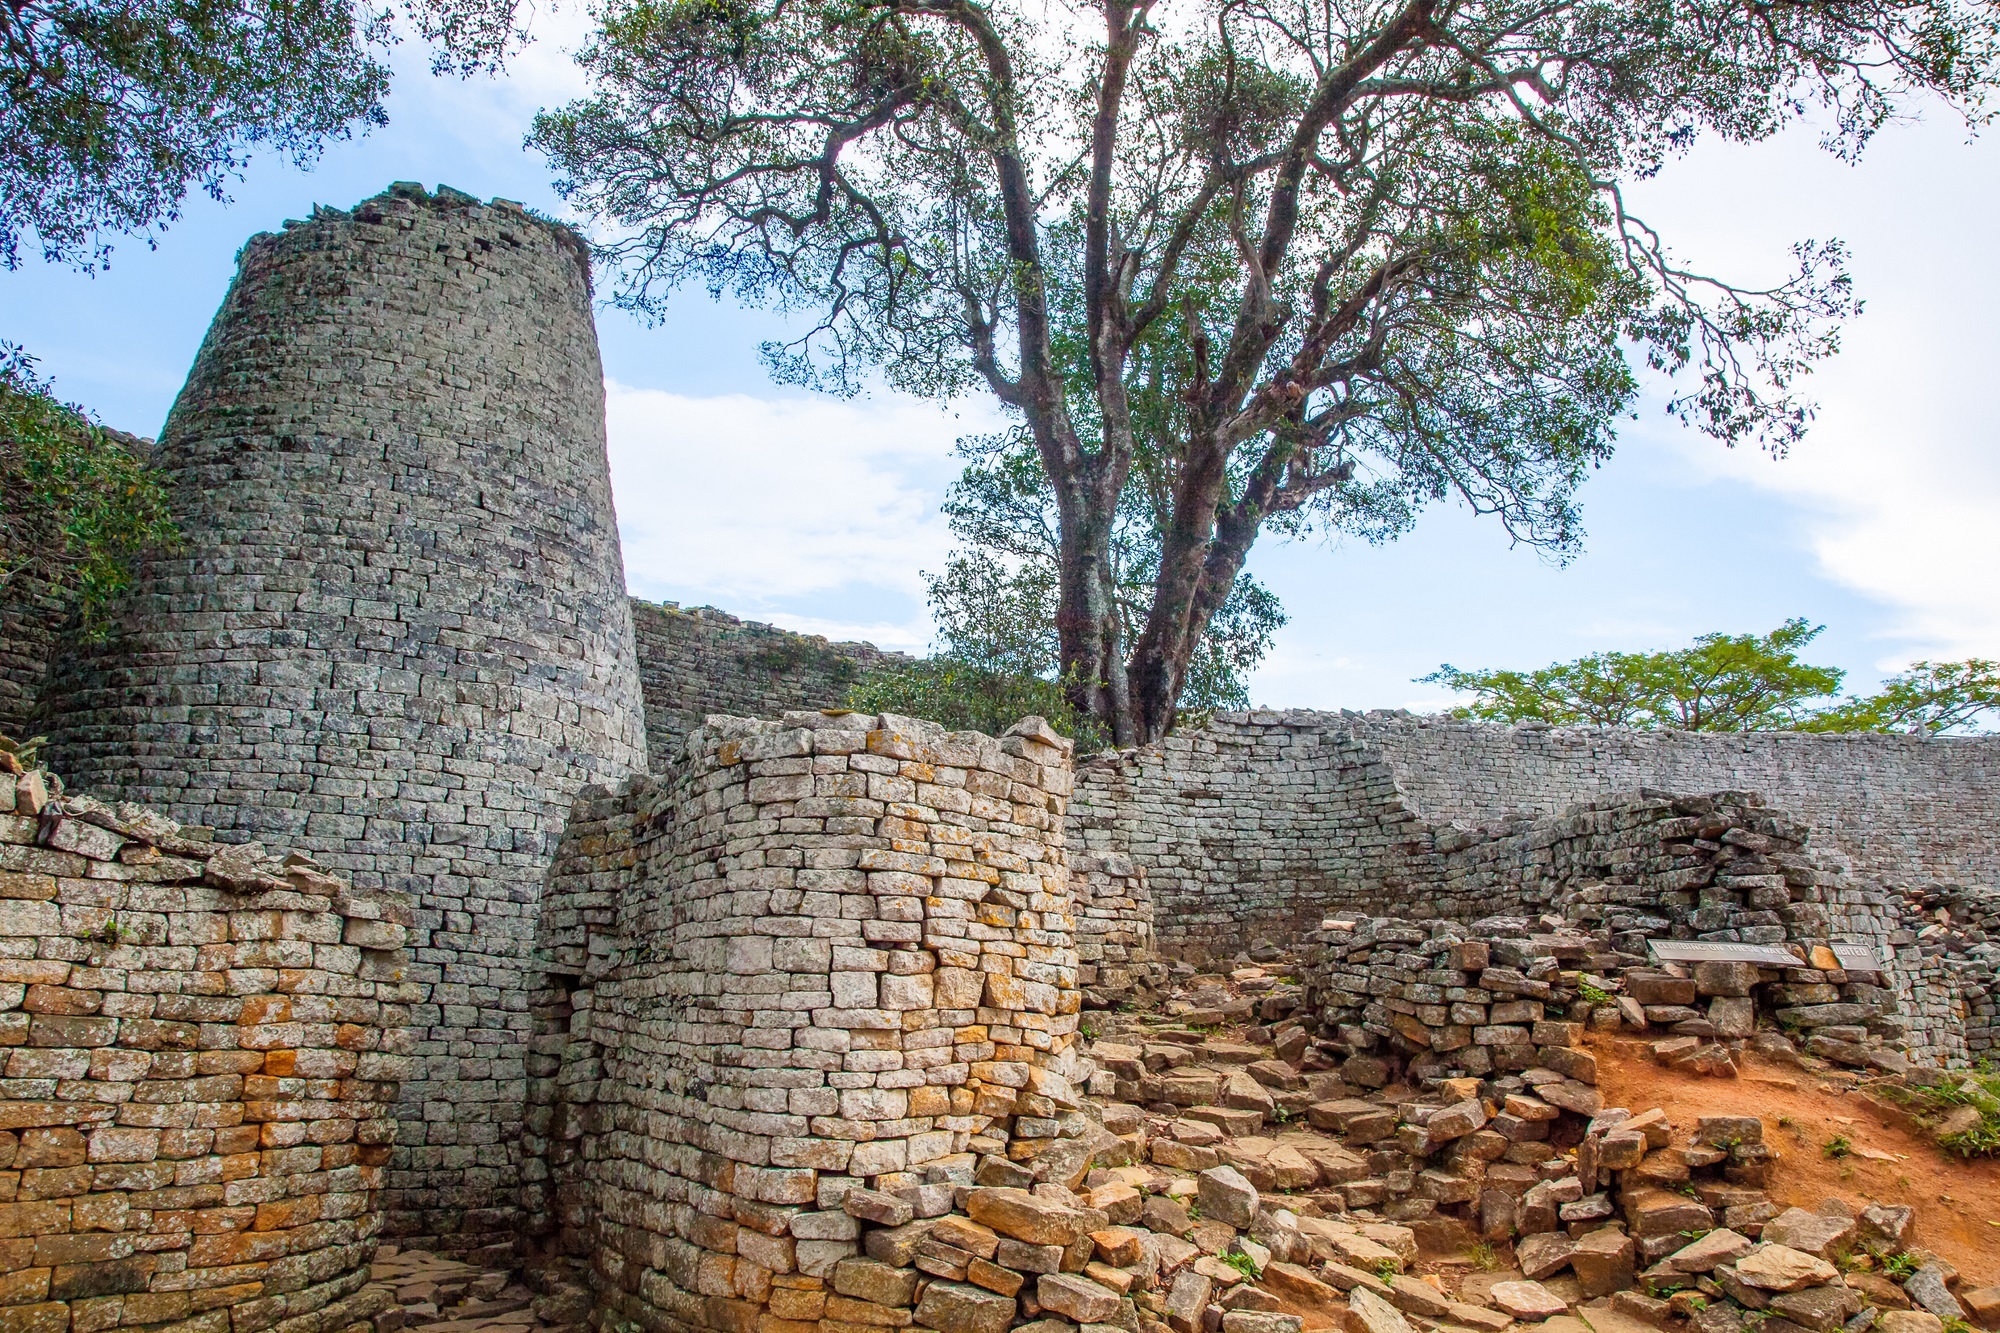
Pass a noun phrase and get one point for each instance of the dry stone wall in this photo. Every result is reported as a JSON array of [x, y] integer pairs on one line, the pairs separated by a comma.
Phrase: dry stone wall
[[1260, 823], [1901, 808], [699, 661], [31, 616], [1115, 946], [202, 1047], [396, 634], [1256, 826], [831, 958]]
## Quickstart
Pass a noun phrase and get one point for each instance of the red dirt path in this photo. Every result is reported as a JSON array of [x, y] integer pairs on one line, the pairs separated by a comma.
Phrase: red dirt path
[[1957, 1202]]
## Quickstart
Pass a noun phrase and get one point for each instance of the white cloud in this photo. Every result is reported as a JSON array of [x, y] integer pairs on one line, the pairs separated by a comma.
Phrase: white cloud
[[1895, 492], [1899, 507], [744, 500]]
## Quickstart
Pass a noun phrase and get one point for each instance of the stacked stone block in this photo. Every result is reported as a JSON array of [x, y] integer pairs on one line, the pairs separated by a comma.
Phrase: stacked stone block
[[1438, 999], [841, 962], [202, 1050], [396, 632], [1118, 961], [697, 661], [1257, 823], [1257, 831]]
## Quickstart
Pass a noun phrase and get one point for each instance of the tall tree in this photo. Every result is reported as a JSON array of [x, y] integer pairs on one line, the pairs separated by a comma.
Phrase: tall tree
[[114, 109], [1929, 699], [1325, 263]]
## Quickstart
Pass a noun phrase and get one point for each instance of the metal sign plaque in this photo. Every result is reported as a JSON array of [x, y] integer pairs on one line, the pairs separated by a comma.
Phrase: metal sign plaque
[[1857, 957], [1722, 951]]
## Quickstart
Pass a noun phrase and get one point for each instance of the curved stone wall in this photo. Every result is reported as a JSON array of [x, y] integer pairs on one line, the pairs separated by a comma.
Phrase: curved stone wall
[[835, 954], [1258, 823], [1903, 808], [397, 633], [202, 1044]]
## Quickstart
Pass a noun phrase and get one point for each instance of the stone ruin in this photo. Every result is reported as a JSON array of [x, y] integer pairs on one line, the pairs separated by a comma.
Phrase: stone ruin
[[832, 1022]]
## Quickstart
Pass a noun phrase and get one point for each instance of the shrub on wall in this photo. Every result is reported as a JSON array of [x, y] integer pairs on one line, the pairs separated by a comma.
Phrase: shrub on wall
[[962, 696]]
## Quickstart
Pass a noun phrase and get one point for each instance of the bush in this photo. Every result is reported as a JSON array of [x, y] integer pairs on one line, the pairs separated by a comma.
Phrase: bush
[[960, 696], [77, 506]]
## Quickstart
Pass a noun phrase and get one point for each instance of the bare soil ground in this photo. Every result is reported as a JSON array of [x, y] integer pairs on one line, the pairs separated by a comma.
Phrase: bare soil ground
[[1957, 1201]]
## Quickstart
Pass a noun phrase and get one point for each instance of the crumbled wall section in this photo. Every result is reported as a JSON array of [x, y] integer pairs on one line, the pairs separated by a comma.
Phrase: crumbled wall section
[[202, 1050], [700, 660], [842, 957], [1259, 823], [397, 633]]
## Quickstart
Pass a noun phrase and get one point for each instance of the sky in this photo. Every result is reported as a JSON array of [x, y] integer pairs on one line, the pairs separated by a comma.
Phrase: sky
[[820, 514]]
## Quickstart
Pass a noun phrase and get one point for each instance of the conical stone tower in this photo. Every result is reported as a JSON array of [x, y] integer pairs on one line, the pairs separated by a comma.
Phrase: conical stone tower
[[397, 633]]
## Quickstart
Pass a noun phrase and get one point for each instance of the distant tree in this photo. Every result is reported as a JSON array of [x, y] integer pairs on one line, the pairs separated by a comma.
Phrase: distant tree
[[1931, 698], [1323, 265], [77, 505], [114, 109], [1725, 682]]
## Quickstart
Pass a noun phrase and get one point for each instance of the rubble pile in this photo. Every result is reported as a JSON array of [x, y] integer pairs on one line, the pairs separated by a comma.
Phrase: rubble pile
[[1240, 1179]]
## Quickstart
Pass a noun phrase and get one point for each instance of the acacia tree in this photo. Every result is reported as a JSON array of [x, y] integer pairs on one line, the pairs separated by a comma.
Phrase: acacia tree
[[1730, 682], [1725, 682], [1317, 263]]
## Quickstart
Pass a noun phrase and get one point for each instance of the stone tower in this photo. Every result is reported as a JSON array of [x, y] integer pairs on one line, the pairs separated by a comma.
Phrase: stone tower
[[397, 632]]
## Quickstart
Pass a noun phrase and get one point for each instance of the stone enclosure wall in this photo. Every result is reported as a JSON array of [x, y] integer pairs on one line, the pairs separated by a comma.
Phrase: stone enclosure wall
[[396, 634], [202, 1051], [1260, 823], [699, 661], [1902, 808], [834, 954]]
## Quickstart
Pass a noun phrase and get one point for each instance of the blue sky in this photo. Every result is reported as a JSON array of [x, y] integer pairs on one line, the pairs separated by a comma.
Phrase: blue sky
[[818, 514]]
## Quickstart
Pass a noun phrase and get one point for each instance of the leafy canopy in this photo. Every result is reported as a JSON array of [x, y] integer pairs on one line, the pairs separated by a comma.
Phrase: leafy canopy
[[77, 504], [114, 109], [1288, 264], [1728, 682]]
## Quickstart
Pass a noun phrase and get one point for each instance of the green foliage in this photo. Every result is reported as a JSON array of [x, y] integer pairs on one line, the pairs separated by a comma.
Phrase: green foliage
[[1727, 682], [1931, 698], [1242, 1263], [77, 506], [1836, 1147], [1978, 1089], [1388, 1270], [1484, 1257], [965, 696], [1594, 994], [1233, 268], [114, 109], [1901, 1266]]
